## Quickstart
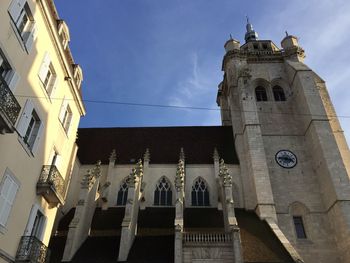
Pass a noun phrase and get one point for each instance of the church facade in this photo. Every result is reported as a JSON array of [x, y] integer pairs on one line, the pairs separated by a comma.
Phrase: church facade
[[269, 185]]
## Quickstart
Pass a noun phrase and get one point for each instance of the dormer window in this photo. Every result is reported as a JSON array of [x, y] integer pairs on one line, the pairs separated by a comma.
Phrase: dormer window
[[78, 75], [63, 32]]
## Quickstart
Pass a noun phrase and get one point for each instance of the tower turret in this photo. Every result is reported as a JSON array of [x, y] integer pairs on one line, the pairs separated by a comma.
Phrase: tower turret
[[250, 35]]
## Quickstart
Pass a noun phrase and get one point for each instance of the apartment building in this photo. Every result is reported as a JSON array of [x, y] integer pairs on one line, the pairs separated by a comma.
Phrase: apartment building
[[40, 109]]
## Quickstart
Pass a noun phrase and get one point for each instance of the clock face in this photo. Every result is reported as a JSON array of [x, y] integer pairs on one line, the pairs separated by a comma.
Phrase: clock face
[[286, 159]]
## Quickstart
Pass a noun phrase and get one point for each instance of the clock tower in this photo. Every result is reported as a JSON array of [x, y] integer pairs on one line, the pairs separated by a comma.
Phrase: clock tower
[[294, 159]]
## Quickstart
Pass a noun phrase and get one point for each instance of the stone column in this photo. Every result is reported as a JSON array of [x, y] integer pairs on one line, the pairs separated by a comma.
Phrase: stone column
[[131, 213], [179, 207], [80, 225], [229, 212]]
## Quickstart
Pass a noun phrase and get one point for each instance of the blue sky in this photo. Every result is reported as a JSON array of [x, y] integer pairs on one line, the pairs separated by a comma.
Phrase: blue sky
[[170, 52]]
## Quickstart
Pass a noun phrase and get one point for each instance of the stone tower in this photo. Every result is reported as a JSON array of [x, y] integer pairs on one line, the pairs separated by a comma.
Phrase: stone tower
[[294, 159]]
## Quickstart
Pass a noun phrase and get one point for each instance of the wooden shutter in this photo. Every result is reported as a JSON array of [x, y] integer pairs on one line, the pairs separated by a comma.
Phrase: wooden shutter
[[63, 110], [54, 86], [8, 193], [25, 118], [30, 37], [15, 9], [38, 138], [44, 68], [14, 79]]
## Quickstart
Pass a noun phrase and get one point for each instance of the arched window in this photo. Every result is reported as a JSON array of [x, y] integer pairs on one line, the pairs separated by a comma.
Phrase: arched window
[[278, 93], [163, 193], [200, 193], [122, 193], [260, 94]]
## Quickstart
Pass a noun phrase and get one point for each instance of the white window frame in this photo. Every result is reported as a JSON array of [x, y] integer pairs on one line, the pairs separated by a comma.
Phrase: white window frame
[[66, 116], [31, 219], [9, 75], [30, 131], [8, 193], [19, 10], [48, 76]]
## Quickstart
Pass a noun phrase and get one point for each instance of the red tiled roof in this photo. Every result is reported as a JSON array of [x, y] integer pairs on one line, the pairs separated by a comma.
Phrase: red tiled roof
[[164, 144]]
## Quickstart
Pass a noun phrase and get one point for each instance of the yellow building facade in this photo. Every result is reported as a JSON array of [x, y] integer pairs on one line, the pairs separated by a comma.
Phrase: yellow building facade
[[40, 109]]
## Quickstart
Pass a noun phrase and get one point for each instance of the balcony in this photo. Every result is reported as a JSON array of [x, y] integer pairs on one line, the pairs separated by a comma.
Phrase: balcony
[[51, 185], [32, 250], [9, 108]]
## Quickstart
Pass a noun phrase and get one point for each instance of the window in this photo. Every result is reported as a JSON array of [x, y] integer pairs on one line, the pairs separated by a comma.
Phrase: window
[[47, 75], [278, 93], [7, 74], [23, 22], [260, 94], [36, 223], [299, 227], [30, 127], [65, 116], [32, 130], [8, 190], [200, 193], [63, 32], [122, 193], [163, 193], [78, 75]]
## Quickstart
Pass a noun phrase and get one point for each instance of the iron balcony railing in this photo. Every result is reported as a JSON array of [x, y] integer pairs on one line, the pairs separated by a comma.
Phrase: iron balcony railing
[[9, 106], [32, 250], [51, 185]]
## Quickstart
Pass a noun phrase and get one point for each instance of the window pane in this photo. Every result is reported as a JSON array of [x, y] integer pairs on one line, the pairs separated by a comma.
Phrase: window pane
[[194, 198], [169, 198], [162, 197], [299, 227], [156, 197]]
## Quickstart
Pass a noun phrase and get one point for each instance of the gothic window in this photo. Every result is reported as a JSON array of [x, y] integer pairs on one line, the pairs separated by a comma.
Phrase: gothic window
[[163, 193], [122, 193], [200, 193], [260, 94], [278, 93], [299, 227]]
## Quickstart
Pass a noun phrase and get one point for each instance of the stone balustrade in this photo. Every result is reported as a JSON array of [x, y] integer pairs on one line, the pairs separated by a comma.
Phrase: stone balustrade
[[213, 237]]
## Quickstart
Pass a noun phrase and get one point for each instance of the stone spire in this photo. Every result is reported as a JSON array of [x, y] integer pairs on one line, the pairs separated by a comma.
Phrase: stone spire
[[147, 155], [182, 154], [180, 174], [250, 35], [113, 156], [139, 168]]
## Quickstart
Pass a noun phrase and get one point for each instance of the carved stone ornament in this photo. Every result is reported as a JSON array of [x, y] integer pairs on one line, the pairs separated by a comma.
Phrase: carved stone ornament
[[139, 168], [244, 72], [224, 174], [180, 175], [132, 178], [88, 179], [207, 253]]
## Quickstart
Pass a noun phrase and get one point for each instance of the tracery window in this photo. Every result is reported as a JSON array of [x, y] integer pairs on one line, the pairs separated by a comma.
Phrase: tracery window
[[278, 93], [122, 193], [163, 193], [200, 193], [260, 94]]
